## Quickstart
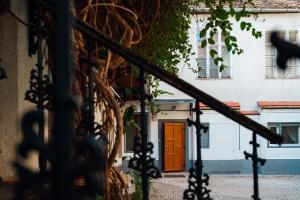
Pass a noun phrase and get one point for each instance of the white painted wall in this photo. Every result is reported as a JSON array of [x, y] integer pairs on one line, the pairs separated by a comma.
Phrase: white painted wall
[[247, 84], [284, 115]]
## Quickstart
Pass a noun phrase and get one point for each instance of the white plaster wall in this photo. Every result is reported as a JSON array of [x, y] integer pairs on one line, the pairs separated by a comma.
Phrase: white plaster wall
[[247, 84], [223, 138], [14, 54], [284, 115]]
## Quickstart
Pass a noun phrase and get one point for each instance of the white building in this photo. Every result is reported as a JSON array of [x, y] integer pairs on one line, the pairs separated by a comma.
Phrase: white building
[[251, 84]]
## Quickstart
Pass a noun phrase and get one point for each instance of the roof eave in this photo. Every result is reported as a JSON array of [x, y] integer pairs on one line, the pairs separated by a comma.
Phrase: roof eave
[[250, 10]]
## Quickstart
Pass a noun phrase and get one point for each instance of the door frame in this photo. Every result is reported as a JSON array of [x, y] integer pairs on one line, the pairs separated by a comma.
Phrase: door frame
[[161, 142]]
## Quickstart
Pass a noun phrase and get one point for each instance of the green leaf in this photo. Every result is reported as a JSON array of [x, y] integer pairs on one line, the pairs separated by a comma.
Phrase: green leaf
[[232, 38], [243, 25], [202, 33], [237, 17], [213, 53], [128, 115], [211, 41], [222, 67], [203, 43]]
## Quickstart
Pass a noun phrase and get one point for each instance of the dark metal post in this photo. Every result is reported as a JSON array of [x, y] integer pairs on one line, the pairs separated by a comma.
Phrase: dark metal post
[[197, 180], [255, 161], [64, 104], [198, 164], [40, 91], [142, 160], [255, 167], [144, 137], [91, 88]]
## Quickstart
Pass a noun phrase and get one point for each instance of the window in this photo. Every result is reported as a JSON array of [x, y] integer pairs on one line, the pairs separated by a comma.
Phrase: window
[[289, 131], [208, 69], [132, 131], [205, 137], [272, 71]]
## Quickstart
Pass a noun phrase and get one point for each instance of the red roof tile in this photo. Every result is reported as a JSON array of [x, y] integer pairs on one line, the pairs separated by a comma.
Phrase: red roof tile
[[268, 4], [232, 104], [249, 112], [279, 104]]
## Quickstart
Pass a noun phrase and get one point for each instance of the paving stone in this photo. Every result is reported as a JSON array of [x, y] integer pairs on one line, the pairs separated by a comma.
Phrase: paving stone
[[232, 187]]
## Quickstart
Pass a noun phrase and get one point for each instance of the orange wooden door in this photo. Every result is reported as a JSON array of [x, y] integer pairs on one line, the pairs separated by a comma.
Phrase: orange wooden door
[[174, 146]]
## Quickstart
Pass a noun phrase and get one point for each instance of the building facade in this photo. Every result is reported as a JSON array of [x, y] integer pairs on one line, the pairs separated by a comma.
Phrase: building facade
[[252, 84]]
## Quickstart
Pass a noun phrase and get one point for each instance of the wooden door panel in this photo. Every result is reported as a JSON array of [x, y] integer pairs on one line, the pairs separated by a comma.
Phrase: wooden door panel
[[174, 146]]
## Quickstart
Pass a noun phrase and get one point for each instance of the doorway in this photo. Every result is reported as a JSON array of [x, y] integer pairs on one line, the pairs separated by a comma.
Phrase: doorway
[[173, 146]]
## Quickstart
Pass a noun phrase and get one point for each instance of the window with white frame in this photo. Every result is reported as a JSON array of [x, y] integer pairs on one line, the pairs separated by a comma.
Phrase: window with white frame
[[272, 71], [206, 65], [289, 131], [205, 137]]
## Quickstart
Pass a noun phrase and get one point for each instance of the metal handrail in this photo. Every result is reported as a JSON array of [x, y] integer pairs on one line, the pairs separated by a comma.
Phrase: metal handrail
[[176, 82]]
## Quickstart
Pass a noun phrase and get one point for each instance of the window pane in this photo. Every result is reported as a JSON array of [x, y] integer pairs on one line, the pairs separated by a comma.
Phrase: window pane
[[280, 73], [270, 51], [213, 69], [201, 51], [269, 72], [290, 134], [202, 73], [205, 138], [274, 130], [225, 55], [292, 72], [267, 36], [293, 68], [226, 72], [132, 131], [293, 36], [292, 62], [281, 34], [270, 61], [201, 62]]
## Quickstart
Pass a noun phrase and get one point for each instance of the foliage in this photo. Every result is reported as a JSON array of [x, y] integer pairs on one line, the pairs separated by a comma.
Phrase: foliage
[[167, 42], [220, 13], [136, 180], [156, 29]]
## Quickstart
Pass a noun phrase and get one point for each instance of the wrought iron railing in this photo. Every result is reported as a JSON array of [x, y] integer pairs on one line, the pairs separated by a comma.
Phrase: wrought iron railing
[[58, 97]]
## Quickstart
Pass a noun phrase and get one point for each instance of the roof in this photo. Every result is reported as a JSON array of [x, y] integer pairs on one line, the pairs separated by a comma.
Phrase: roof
[[275, 4], [231, 104], [268, 4], [278, 104], [249, 112]]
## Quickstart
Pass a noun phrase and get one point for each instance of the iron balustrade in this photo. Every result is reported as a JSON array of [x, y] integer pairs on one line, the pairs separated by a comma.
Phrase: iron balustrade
[[63, 169]]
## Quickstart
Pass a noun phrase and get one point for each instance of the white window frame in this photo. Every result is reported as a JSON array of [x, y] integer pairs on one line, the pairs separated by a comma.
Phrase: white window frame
[[279, 130], [219, 43], [275, 67]]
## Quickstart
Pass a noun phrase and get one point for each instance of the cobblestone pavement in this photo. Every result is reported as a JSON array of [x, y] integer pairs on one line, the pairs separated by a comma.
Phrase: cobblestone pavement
[[232, 187]]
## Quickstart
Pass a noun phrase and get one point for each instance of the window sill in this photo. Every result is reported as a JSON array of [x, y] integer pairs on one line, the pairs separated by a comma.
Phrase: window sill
[[214, 79], [283, 146], [296, 78]]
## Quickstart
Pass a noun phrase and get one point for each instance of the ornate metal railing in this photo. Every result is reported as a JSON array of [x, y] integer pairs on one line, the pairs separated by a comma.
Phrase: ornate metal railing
[[57, 95]]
